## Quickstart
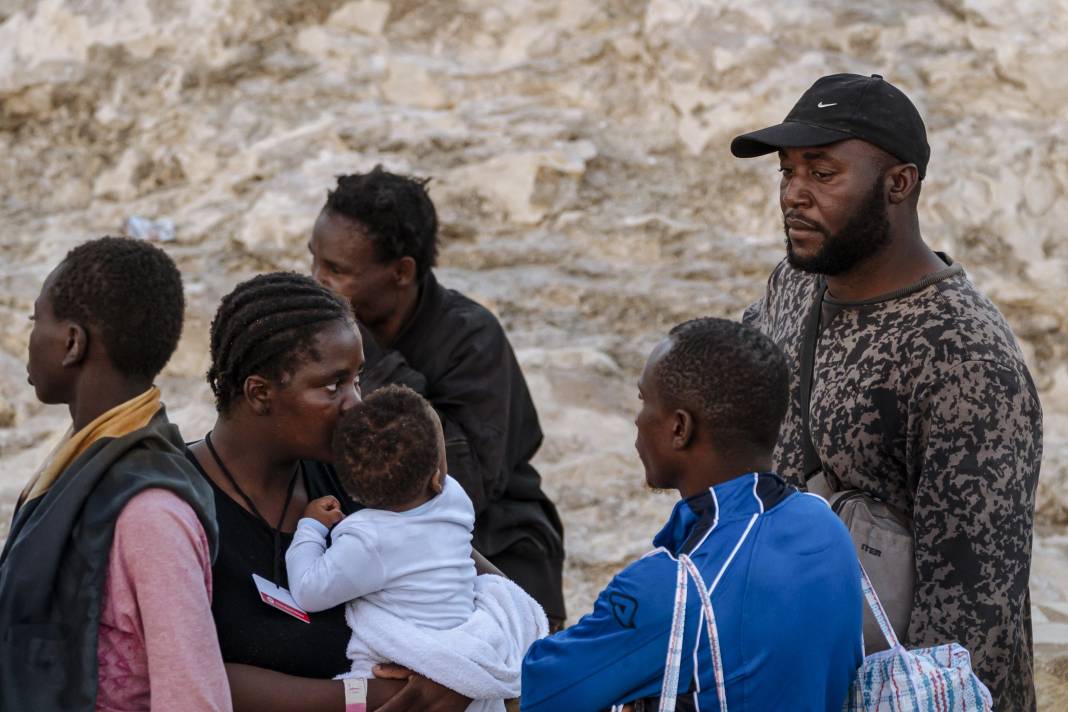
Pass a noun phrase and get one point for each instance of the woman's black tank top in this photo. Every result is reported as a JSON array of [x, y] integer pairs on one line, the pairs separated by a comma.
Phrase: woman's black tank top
[[250, 631]]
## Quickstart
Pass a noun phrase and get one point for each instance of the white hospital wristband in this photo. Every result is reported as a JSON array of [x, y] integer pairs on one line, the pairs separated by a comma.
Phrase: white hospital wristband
[[355, 694]]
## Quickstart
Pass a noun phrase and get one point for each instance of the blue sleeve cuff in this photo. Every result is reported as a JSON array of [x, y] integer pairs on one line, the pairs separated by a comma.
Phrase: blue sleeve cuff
[[315, 525]]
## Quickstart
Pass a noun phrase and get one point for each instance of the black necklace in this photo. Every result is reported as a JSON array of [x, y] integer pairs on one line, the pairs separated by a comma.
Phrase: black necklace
[[276, 530]]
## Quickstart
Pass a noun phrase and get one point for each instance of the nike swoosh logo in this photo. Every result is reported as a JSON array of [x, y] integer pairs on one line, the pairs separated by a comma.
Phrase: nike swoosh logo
[[821, 105]]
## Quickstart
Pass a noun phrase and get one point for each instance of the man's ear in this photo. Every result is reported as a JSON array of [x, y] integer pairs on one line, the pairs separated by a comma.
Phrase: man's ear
[[258, 392], [682, 429], [404, 271], [77, 344], [902, 181]]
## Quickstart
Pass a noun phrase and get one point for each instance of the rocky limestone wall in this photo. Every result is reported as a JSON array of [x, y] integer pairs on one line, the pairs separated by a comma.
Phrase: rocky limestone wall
[[578, 151]]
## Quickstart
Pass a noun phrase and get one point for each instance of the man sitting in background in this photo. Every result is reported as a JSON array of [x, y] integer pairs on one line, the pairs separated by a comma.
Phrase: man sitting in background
[[375, 243]]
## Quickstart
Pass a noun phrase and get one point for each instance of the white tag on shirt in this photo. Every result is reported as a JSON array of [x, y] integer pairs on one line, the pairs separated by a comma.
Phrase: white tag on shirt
[[277, 597]]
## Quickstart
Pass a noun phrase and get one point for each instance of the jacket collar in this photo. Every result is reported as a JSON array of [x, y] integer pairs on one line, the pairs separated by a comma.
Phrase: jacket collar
[[737, 498], [423, 316]]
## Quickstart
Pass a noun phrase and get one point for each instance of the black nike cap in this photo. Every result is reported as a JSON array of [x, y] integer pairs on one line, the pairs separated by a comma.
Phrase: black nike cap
[[843, 106]]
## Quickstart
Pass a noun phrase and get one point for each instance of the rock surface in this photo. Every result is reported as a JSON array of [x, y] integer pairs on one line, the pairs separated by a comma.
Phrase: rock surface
[[578, 151]]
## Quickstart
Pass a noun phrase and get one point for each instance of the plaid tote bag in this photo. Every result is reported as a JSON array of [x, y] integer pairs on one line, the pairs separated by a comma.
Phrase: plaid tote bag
[[938, 679]]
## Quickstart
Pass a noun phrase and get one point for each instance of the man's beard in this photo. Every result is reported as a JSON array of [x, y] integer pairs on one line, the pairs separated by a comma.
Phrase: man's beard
[[865, 234]]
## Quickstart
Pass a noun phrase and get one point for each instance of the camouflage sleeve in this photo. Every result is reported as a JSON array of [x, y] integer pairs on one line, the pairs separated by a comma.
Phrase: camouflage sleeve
[[977, 433], [754, 315]]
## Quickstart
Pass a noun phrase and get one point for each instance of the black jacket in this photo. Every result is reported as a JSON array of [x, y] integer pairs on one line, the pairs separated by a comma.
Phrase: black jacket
[[454, 352], [55, 561]]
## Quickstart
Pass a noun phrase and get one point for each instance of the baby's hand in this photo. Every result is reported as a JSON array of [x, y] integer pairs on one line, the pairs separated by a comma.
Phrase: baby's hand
[[325, 510]]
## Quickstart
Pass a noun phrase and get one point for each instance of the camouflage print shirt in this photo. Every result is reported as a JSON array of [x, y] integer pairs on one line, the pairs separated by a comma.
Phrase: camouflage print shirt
[[922, 398]]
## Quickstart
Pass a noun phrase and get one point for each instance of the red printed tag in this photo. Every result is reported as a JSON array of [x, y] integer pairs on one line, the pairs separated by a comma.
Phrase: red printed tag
[[277, 597]]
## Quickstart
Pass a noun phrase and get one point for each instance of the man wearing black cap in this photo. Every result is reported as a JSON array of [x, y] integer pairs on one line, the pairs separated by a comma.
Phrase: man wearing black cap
[[919, 394]]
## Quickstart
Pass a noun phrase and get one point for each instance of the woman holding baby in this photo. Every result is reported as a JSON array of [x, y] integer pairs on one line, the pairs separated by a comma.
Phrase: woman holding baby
[[286, 357]]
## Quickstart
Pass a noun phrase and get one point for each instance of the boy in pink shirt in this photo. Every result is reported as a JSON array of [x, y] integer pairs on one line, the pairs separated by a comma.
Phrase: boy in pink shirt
[[105, 579]]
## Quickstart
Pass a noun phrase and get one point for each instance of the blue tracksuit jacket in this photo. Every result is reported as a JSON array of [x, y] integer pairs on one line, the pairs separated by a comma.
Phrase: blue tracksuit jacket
[[785, 588]]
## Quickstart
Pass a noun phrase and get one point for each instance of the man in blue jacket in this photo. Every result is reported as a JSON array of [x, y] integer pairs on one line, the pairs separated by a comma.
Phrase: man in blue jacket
[[782, 630]]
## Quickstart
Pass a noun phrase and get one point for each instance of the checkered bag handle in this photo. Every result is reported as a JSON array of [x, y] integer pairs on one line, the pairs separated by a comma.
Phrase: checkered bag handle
[[713, 632], [669, 688], [877, 609]]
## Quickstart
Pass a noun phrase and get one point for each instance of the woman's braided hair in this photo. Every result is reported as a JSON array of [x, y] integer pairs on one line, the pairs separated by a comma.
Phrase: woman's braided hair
[[266, 326]]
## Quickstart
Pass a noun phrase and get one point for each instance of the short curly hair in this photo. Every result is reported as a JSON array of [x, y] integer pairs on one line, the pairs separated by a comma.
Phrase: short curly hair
[[386, 447], [396, 212], [731, 377], [128, 291], [266, 326]]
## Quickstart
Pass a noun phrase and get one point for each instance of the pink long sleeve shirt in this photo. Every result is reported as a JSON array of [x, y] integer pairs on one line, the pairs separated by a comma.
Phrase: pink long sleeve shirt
[[158, 649]]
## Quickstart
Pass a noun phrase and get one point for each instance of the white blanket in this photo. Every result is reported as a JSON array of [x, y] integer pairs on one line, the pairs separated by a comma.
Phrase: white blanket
[[481, 659]]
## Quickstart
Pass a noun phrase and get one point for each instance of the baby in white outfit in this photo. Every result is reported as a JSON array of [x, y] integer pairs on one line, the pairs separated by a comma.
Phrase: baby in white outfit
[[409, 550]]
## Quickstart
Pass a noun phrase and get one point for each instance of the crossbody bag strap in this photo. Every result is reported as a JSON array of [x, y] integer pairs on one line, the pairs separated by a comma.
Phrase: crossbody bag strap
[[811, 464]]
